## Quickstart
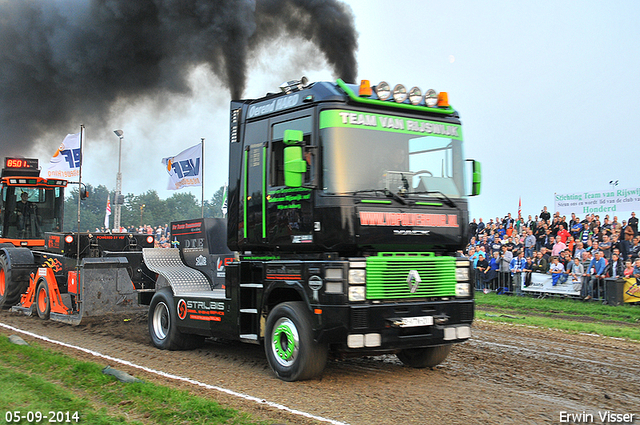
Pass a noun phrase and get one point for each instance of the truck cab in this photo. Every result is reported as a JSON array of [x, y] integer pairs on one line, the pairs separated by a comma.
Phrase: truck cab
[[347, 206]]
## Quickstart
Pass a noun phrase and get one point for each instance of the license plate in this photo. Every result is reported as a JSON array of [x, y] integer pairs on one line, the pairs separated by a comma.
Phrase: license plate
[[412, 322]]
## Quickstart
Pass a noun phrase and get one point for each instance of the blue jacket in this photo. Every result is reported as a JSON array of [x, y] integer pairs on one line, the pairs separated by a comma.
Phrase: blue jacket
[[599, 265]]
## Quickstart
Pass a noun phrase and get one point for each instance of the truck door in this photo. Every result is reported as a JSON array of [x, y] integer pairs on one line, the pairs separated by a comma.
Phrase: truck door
[[289, 209]]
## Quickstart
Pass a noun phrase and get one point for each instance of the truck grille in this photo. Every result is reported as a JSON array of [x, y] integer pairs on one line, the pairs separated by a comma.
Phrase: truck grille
[[388, 275]]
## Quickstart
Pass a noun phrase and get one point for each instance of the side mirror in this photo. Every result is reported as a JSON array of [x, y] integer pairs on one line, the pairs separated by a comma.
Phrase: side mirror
[[294, 165], [477, 179]]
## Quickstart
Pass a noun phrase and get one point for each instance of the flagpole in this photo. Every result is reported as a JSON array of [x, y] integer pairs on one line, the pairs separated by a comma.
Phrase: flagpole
[[79, 192], [202, 174]]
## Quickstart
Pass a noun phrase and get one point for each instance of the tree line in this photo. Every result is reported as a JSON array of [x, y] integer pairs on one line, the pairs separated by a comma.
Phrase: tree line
[[137, 210]]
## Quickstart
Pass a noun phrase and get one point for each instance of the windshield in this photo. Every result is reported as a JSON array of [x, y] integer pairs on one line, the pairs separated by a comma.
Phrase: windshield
[[372, 151], [28, 212]]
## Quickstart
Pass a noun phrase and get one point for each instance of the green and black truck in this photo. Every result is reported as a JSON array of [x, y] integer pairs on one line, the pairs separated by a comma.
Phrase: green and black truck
[[347, 210]]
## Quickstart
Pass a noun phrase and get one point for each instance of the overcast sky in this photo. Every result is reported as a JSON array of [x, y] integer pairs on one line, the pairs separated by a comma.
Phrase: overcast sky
[[547, 91]]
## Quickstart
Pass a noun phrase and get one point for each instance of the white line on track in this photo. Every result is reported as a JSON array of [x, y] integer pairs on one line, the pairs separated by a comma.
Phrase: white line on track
[[176, 377]]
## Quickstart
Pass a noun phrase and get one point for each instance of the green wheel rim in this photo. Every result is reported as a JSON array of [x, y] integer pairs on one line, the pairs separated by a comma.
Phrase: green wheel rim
[[285, 341]]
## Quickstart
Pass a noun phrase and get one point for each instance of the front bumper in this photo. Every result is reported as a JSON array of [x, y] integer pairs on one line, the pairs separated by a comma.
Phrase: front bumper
[[388, 327]]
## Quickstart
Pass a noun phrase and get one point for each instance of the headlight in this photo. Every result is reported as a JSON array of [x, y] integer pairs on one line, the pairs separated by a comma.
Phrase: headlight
[[356, 293], [431, 98], [356, 276], [383, 90], [463, 290], [399, 93], [462, 274]]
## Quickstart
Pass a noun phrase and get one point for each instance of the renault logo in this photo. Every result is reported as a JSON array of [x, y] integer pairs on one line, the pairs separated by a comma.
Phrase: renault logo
[[413, 280]]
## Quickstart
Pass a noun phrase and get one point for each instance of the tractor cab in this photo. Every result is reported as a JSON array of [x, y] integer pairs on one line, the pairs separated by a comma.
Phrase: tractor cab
[[29, 205]]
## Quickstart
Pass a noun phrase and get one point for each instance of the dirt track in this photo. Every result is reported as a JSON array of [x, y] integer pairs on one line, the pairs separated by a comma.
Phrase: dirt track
[[506, 374]]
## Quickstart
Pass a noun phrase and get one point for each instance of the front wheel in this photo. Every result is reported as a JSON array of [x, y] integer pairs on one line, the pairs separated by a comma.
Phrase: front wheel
[[424, 357], [163, 324], [43, 304], [10, 290], [289, 345]]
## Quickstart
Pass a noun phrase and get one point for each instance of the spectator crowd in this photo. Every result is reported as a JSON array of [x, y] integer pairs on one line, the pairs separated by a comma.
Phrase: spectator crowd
[[161, 233], [505, 252]]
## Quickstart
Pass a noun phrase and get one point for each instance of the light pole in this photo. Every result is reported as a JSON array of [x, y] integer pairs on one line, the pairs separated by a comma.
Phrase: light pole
[[116, 218]]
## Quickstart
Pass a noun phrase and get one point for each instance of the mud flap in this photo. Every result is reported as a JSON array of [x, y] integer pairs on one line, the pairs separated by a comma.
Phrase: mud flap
[[104, 289]]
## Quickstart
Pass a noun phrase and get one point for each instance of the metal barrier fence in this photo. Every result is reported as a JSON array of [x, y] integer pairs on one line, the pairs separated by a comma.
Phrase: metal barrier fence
[[512, 283]]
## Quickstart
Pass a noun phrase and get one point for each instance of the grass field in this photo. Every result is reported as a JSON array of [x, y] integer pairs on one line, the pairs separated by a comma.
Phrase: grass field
[[37, 382], [564, 314]]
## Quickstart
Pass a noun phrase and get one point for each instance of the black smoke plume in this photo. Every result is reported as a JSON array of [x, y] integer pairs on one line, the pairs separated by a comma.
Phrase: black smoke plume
[[65, 59]]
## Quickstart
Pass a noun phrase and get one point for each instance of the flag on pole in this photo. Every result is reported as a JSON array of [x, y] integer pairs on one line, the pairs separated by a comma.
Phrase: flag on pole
[[519, 207], [107, 213], [224, 201], [67, 159], [185, 168]]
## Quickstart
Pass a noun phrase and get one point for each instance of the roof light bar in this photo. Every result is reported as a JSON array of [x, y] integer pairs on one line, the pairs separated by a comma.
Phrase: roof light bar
[[399, 93], [383, 90], [431, 98], [415, 96]]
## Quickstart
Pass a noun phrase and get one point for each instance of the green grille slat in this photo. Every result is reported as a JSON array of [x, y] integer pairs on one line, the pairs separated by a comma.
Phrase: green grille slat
[[387, 275]]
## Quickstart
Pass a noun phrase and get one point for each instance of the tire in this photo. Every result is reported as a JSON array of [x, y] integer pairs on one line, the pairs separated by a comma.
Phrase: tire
[[424, 357], [291, 351], [42, 302], [163, 324], [10, 290]]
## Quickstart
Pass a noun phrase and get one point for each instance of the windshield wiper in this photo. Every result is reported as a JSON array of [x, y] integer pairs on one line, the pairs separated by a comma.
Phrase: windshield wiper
[[444, 197], [385, 192]]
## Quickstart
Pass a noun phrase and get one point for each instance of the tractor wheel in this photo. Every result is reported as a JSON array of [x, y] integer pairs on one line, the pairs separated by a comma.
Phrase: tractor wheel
[[43, 304], [10, 291], [424, 357], [291, 351], [163, 324]]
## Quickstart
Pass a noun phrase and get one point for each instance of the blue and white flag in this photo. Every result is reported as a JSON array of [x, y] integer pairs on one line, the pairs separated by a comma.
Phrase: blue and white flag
[[185, 169], [66, 161]]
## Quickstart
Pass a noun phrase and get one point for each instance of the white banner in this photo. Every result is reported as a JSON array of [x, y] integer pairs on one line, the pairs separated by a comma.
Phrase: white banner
[[185, 169], [618, 202], [66, 161], [541, 282]]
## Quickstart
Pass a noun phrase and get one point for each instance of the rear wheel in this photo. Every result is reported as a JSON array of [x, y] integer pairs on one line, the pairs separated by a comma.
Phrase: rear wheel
[[10, 291], [163, 324], [424, 357], [43, 304], [291, 351]]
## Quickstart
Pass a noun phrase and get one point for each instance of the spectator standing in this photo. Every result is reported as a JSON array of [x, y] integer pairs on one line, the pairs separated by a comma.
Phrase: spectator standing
[[576, 270], [596, 273], [481, 226], [563, 234], [540, 264], [605, 246], [558, 247], [545, 215], [473, 228], [529, 243], [615, 268], [517, 267], [628, 269], [505, 261], [633, 223]]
